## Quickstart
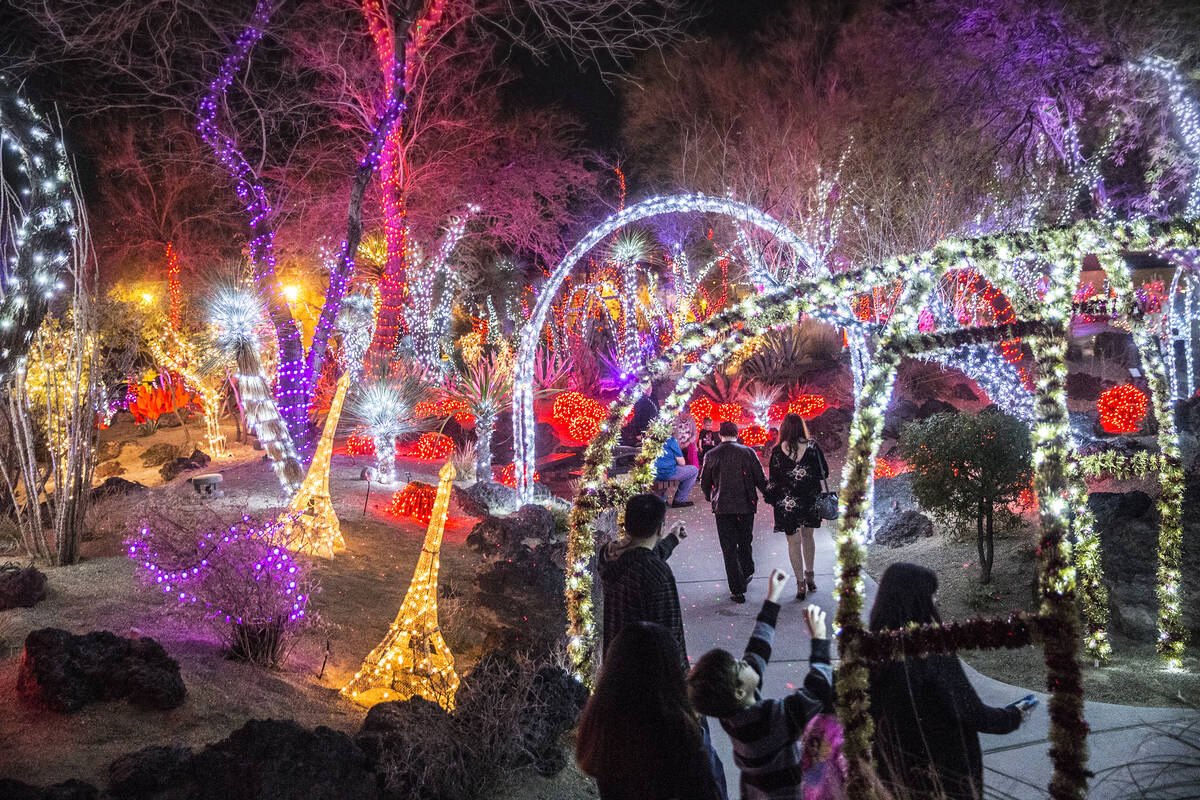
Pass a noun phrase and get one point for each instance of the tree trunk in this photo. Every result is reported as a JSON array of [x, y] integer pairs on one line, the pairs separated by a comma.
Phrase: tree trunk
[[385, 458], [985, 564], [990, 549], [483, 447]]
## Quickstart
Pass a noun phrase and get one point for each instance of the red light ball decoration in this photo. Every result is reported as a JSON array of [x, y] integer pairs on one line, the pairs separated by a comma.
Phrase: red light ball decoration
[[884, 470], [807, 405], [1122, 409], [360, 443], [414, 500], [583, 428], [727, 412], [755, 435], [508, 476], [701, 408], [433, 446]]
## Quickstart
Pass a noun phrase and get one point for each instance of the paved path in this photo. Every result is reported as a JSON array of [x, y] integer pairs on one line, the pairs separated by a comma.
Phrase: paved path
[[1017, 765]]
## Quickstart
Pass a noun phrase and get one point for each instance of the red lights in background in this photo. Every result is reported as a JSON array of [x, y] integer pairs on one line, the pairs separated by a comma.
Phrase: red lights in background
[[755, 435], [583, 428], [433, 446], [806, 405], [508, 476], [1122, 409], [414, 500], [360, 443], [701, 408]]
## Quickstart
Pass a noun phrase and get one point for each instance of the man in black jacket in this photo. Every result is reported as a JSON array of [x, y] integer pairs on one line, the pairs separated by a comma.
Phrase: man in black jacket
[[731, 479]]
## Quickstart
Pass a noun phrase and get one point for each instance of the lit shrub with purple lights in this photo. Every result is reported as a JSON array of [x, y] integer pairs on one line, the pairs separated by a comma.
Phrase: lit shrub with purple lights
[[244, 581]]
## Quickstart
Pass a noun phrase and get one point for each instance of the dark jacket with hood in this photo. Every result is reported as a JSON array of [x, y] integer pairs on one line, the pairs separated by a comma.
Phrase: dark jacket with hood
[[639, 587], [731, 479]]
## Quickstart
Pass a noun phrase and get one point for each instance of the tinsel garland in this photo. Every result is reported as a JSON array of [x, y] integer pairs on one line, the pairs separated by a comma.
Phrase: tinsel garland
[[1019, 629], [1120, 466], [1058, 481], [1172, 634]]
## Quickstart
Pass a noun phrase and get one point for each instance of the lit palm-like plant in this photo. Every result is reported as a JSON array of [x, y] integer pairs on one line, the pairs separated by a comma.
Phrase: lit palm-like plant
[[760, 398], [387, 407], [485, 390], [236, 315]]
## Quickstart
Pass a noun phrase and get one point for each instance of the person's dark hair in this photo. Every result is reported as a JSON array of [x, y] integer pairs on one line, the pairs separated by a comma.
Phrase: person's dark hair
[[792, 431], [712, 683], [644, 515], [905, 595], [729, 429], [638, 719]]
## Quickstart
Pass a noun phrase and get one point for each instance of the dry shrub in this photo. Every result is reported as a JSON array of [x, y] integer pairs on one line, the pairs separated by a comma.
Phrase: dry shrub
[[243, 580], [505, 725], [463, 460]]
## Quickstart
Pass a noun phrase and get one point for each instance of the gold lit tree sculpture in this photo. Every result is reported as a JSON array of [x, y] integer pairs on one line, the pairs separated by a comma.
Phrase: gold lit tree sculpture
[[413, 658], [311, 518], [311, 521]]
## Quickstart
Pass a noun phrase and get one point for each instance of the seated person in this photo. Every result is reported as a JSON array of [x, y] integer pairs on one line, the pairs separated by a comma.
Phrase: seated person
[[672, 466]]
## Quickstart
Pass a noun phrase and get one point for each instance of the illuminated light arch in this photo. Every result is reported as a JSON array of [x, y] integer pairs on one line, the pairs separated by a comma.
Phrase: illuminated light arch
[[1043, 321], [43, 229], [523, 421]]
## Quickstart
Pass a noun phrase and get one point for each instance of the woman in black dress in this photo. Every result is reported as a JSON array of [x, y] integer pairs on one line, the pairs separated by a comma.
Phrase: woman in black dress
[[796, 470], [927, 715]]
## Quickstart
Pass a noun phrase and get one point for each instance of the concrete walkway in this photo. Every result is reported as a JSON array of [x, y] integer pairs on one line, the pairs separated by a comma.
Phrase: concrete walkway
[[1017, 765]]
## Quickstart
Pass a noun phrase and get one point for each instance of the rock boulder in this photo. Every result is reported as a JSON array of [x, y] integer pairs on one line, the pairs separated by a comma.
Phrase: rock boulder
[[904, 528], [64, 672], [21, 587]]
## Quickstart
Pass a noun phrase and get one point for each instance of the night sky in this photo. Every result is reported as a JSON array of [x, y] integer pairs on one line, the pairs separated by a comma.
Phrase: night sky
[[585, 95]]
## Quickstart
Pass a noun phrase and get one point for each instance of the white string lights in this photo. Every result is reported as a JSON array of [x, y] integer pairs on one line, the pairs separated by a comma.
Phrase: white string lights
[[236, 315], [42, 228]]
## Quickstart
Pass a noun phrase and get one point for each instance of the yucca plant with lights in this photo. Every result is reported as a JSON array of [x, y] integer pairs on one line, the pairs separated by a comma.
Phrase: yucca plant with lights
[[387, 407], [236, 315], [486, 390]]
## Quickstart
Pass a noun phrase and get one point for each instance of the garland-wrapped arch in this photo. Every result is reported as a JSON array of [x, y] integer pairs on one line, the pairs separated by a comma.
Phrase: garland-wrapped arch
[[1044, 322]]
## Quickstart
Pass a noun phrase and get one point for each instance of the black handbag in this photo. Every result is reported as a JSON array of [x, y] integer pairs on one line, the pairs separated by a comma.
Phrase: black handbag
[[827, 504], [827, 501]]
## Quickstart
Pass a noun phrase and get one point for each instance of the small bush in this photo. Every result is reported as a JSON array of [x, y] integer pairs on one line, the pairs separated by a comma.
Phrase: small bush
[[244, 581], [508, 721]]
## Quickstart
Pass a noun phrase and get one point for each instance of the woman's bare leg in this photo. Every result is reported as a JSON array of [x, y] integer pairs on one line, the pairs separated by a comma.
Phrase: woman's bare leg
[[809, 549], [796, 556]]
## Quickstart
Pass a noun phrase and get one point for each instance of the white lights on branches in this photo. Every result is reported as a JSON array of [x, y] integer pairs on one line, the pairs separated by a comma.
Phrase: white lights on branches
[[43, 227]]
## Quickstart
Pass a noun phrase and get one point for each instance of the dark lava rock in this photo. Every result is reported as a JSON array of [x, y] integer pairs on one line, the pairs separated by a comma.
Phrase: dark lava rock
[[1084, 386], [67, 790], [173, 469], [397, 728], [963, 391], [64, 672], [493, 496], [146, 771], [199, 457], [893, 495], [159, 454], [108, 450], [275, 759], [553, 705], [934, 406], [527, 593], [116, 486], [108, 469], [904, 528], [903, 409], [21, 587], [1128, 526], [505, 537], [467, 504], [1117, 347]]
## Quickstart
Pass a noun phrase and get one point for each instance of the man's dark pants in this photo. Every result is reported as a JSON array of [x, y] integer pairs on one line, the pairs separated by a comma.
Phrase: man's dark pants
[[736, 534]]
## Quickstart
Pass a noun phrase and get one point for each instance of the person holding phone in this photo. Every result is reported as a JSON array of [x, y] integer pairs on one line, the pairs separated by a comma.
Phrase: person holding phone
[[927, 715]]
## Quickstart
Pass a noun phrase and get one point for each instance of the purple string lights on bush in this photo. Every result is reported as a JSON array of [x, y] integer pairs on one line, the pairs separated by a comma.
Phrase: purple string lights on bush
[[243, 578]]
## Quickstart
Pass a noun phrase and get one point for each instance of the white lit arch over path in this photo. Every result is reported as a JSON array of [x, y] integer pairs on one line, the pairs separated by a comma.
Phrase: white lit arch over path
[[523, 421]]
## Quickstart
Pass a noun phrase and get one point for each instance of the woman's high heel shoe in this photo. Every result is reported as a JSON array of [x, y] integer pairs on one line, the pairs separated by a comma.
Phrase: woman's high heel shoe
[[810, 584], [801, 590]]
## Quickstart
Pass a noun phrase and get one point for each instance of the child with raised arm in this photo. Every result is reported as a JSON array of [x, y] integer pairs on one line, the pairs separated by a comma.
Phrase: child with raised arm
[[765, 732]]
